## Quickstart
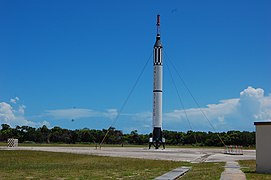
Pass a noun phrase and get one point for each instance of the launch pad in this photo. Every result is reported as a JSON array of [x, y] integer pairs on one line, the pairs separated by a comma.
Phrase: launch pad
[[193, 155]]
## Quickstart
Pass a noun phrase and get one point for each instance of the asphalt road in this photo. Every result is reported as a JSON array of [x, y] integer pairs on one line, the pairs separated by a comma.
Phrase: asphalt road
[[193, 155]]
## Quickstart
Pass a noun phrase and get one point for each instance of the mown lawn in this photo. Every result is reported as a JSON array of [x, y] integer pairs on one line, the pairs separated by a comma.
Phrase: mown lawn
[[205, 170], [249, 168], [51, 165]]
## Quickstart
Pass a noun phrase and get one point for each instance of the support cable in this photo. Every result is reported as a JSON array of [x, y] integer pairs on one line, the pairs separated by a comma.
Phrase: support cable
[[194, 99], [126, 100], [180, 100]]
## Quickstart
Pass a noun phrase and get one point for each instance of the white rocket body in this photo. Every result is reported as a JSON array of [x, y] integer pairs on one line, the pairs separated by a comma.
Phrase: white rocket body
[[157, 86], [157, 139]]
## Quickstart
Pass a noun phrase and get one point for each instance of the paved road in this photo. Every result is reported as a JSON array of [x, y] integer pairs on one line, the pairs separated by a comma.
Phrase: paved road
[[175, 154], [232, 172]]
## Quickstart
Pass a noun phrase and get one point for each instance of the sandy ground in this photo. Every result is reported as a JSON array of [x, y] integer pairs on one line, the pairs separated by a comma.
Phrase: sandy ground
[[193, 155]]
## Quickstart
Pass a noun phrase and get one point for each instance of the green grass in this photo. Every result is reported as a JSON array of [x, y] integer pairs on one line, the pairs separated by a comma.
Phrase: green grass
[[249, 168], [205, 170], [51, 165]]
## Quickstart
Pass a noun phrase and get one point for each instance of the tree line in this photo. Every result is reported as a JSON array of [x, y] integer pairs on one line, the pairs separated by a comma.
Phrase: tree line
[[59, 135]]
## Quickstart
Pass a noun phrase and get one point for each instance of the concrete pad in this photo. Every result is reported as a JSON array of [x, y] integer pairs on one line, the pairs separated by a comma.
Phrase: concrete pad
[[174, 174], [232, 172], [196, 155]]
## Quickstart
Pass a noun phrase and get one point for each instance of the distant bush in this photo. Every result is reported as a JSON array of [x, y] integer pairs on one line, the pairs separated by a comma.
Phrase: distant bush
[[43, 134], [29, 142]]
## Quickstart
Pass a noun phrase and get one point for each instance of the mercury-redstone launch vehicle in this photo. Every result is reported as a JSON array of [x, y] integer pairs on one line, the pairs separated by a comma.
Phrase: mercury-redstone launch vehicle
[[157, 137]]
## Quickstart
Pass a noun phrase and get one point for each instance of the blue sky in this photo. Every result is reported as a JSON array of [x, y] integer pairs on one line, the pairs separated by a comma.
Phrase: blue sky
[[64, 60]]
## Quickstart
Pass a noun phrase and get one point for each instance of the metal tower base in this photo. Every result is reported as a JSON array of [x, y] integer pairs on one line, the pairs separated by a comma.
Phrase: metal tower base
[[156, 145], [157, 139]]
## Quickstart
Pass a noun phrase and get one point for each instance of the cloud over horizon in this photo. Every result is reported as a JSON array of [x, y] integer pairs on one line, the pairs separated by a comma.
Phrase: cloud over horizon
[[238, 113], [74, 113], [13, 114], [229, 114]]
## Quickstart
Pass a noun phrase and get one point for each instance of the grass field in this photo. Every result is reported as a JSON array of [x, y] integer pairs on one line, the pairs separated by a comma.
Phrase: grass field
[[50, 165], [204, 171], [249, 168]]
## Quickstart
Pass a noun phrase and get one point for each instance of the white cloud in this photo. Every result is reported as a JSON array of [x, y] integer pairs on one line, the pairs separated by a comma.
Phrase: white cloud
[[239, 113], [6, 112], [141, 121], [14, 115], [74, 113], [14, 100], [212, 110], [110, 113], [236, 113], [251, 92], [141, 116], [21, 109]]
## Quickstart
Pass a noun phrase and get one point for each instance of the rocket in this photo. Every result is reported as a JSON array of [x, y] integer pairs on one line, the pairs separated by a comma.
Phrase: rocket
[[156, 140]]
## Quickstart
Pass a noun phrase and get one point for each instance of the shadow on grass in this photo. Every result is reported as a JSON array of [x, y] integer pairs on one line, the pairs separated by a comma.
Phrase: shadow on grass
[[249, 172]]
